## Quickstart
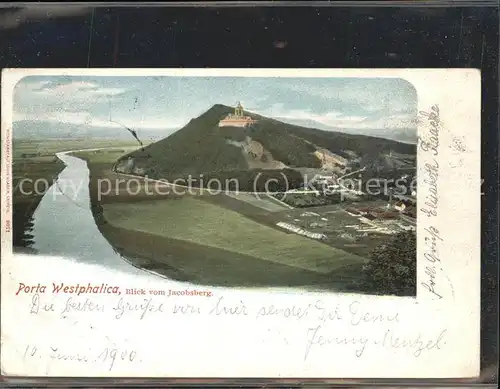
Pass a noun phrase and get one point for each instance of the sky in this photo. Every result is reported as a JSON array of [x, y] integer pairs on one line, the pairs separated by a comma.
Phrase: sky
[[167, 103]]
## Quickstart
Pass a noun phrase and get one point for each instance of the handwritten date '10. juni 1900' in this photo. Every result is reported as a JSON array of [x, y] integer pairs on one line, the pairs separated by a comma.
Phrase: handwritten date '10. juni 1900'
[[107, 356]]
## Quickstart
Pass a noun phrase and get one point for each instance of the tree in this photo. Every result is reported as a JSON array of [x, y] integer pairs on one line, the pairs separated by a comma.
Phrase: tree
[[392, 268]]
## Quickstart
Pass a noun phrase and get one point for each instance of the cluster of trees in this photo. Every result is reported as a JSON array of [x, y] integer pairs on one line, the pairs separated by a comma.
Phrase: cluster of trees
[[22, 225], [304, 200], [257, 180], [392, 268]]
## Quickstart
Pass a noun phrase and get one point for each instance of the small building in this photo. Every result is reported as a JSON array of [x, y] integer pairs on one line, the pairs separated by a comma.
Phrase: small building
[[237, 119], [400, 206]]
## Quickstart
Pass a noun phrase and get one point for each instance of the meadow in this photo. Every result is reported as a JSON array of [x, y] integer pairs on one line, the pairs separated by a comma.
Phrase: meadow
[[192, 220]]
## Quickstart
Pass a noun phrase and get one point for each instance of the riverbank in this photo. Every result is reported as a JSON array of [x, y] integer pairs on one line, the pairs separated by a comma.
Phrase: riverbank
[[27, 194], [35, 167]]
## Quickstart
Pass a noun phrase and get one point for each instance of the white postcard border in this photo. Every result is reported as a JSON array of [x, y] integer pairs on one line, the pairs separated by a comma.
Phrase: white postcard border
[[454, 307]]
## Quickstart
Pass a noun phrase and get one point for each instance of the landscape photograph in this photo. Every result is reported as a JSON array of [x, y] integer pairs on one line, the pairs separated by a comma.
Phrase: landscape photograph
[[239, 182]]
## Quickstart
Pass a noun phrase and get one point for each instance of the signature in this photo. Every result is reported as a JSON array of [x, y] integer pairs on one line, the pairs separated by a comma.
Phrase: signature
[[431, 254], [431, 170], [431, 143], [416, 344]]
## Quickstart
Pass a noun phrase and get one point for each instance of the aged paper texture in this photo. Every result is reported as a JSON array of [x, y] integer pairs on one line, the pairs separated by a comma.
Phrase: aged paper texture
[[241, 223]]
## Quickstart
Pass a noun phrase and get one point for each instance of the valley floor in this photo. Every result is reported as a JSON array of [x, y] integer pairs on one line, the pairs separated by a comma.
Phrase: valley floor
[[226, 240], [195, 221]]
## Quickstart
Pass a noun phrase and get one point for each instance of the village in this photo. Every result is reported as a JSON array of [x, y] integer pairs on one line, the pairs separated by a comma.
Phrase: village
[[347, 219], [357, 225]]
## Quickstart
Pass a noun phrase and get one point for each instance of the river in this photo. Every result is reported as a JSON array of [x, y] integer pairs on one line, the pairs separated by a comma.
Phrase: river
[[64, 225]]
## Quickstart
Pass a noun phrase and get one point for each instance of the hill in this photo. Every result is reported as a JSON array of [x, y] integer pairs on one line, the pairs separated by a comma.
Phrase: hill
[[201, 147]]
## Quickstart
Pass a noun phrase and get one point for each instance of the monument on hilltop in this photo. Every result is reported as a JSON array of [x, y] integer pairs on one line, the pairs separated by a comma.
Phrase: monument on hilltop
[[237, 119]]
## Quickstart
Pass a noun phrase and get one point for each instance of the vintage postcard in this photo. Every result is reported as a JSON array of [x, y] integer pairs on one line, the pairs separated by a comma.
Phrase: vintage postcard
[[241, 223]]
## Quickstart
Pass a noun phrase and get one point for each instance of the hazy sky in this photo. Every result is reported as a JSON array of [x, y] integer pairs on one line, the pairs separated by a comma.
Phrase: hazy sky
[[167, 103]]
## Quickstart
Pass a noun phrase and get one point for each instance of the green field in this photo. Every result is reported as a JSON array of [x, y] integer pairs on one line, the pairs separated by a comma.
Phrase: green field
[[195, 221], [53, 146], [104, 156]]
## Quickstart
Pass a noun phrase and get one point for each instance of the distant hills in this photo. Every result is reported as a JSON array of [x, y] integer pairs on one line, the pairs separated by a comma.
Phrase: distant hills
[[28, 129], [406, 135], [203, 147]]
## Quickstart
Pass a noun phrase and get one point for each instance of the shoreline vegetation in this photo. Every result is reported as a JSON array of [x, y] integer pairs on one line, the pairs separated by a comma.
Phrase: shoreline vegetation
[[24, 206], [35, 167]]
